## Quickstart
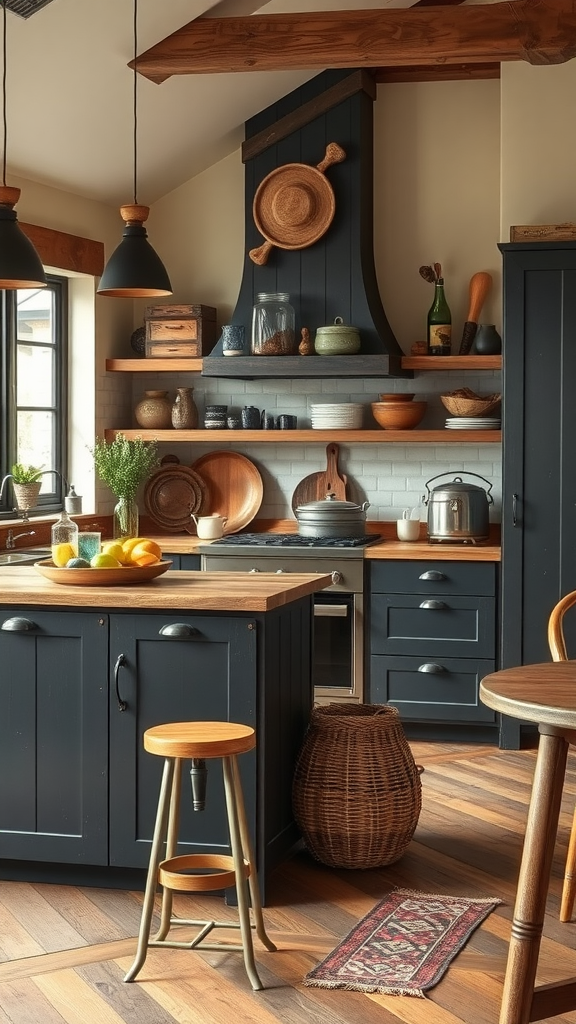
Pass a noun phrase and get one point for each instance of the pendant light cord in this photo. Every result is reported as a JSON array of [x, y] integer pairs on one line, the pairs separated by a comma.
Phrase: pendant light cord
[[4, 117], [135, 102]]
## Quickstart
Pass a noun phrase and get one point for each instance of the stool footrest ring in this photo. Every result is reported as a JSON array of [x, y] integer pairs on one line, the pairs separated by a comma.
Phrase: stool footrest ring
[[218, 872]]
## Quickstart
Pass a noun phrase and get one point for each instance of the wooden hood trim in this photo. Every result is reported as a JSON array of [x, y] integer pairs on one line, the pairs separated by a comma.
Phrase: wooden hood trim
[[537, 31]]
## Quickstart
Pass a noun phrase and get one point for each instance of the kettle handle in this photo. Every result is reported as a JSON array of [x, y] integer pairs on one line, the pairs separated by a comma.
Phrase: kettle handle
[[458, 478]]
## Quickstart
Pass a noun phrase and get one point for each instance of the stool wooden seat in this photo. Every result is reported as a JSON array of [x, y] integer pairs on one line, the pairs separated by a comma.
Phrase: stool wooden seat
[[199, 741], [544, 694]]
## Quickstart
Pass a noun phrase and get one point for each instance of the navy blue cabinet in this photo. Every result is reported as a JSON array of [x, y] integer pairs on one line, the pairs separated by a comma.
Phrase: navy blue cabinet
[[432, 639], [184, 561], [54, 736]]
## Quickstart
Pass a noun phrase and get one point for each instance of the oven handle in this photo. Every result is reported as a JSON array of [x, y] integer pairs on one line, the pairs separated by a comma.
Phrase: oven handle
[[331, 610]]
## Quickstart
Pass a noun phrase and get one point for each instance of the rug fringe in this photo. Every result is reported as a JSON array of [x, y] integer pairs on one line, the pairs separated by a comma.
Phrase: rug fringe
[[446, 896], [359, 987]]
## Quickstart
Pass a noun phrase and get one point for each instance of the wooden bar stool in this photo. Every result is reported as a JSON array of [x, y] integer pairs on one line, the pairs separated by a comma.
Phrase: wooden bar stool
[[545, 694], [199, 741]]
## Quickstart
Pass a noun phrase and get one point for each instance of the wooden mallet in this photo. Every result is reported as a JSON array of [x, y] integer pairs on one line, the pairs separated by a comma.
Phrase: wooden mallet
[[480, 285]]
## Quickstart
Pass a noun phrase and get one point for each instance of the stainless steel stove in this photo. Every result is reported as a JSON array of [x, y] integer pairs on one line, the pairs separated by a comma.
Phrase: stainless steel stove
[[338, 669]]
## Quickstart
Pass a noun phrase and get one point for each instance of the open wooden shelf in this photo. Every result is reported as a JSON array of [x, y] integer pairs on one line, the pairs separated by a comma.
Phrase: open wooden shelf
[[312, 436], [451, 362], [154, 365], [147, 365]]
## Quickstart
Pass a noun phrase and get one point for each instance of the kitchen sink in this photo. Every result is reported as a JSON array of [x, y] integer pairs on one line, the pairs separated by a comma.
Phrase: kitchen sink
[[24, 556]]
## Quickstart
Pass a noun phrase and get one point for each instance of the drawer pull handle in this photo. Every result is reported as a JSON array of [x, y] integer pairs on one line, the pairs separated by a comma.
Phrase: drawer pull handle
[[433, 574], [432, 668], [178, 631], [120, 660], [433, 605], [18, 625]]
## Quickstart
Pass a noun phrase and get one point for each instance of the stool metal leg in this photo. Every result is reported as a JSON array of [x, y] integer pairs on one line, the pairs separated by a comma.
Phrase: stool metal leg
[[160, 829], [249, 855], [241, 887], [534, 880], [171, 847]]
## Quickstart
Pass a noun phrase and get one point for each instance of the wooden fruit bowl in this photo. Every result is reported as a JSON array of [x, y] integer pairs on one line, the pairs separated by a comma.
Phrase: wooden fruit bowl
[[125, 575], [398, 415]]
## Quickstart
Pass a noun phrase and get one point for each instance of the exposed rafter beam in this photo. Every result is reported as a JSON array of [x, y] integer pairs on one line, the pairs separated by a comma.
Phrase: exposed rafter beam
[[537, 31]]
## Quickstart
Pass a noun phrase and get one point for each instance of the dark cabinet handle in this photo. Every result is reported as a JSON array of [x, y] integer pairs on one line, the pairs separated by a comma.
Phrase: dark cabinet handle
[[433, 605], [179, 631], [120, 660], [514, 509], [433, 574], [17, 625], [432, 668]]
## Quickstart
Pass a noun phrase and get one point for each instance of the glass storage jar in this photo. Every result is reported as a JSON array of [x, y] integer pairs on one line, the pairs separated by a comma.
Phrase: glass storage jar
[[273, 325]]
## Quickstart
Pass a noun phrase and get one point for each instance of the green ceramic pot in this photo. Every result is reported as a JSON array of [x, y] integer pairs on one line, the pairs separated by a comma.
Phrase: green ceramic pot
[[339, 339]]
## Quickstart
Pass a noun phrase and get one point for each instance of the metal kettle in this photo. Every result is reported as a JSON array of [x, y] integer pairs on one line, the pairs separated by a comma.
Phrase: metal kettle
[[457, 511]]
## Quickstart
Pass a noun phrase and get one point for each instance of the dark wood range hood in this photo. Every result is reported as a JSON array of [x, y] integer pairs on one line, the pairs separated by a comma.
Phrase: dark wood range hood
[[334, 277]]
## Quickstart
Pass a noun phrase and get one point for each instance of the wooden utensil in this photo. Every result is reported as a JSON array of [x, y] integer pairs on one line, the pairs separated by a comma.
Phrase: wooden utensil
[[480, 285], [316, 486]]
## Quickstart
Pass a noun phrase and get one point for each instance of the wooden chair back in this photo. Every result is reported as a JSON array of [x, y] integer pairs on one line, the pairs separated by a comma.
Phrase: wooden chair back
[[556, 641]]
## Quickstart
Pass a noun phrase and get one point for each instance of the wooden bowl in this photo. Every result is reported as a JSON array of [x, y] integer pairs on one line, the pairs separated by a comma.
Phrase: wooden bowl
[[396, 396], [125, 575], [398, 415]]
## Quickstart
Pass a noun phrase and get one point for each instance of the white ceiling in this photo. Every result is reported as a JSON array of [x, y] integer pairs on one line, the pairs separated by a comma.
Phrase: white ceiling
[[70, 95]]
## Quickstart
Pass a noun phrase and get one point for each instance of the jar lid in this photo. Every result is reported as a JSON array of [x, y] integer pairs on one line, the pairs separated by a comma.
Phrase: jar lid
[[337, 328]]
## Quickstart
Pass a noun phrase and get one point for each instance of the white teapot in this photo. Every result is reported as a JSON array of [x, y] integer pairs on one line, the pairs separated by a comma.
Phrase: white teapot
[[210, 527]]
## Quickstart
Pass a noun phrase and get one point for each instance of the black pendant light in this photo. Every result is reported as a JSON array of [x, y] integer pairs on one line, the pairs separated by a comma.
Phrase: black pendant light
[[134, 269], [20, 264]]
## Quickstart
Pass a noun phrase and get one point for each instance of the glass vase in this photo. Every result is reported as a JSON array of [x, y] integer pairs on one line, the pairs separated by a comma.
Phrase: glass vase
[[126, 518]]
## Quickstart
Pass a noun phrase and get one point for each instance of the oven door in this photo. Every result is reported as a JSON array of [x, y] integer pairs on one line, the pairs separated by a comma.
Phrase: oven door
[[338, 661]]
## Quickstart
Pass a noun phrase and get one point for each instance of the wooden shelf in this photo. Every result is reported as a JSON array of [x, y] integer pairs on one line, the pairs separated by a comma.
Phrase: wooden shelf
[[451, 362], [312, 436], [154, 365]]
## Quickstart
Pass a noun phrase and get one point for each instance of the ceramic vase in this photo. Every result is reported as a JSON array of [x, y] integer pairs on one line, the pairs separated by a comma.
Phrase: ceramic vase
[[154, 411], [487, 341], [125, 519], [184, 411]]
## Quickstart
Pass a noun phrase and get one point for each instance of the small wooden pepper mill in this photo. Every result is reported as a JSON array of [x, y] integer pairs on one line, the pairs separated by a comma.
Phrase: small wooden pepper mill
[[305, 347]]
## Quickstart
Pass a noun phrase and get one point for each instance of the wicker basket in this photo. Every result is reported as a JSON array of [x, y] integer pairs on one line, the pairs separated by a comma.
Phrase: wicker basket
[[466, 403], [357, 793]]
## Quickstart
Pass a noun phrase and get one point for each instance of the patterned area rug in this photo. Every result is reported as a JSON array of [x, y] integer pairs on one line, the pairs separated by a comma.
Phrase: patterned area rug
[[404, 945]]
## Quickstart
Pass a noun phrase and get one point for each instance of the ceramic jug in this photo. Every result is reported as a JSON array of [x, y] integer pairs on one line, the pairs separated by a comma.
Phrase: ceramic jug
[[210, 527], [487, 341]]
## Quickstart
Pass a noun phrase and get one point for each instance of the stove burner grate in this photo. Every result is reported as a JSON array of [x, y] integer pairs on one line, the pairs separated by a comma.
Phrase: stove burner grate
[[285, 540]]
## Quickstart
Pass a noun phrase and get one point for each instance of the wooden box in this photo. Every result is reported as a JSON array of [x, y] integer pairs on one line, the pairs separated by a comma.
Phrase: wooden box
[[543, 232], [176, 331]]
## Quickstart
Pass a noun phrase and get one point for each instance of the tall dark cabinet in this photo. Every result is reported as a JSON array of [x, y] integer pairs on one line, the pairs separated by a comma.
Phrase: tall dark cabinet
[[539, 453]]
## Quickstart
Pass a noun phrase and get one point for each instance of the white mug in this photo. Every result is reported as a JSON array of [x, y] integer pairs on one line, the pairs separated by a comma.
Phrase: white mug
[[408, 529], [210, 527]]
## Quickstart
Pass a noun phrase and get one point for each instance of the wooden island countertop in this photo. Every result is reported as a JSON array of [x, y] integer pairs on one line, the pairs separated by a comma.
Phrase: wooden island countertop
[[184, 590]]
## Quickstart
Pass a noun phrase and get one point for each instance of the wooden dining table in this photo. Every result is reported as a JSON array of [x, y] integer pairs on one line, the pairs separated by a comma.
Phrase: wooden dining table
[[546, 695]]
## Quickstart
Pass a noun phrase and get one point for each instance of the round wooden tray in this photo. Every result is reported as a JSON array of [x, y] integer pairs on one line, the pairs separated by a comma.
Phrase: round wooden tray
[[235, 487], [173, 494], [126, 575]]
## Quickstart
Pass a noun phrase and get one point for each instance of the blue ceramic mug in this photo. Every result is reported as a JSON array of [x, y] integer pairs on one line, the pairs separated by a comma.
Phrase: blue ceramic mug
[[233, 340]]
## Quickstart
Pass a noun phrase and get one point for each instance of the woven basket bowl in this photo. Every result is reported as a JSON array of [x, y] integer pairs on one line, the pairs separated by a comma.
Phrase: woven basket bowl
[[479, 406], [357, 793]]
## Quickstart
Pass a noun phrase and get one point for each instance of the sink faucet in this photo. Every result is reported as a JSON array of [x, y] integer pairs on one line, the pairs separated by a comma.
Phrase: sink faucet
[[11, 538]]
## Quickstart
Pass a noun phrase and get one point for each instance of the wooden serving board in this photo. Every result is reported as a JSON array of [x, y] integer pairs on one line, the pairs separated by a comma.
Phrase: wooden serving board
[[316, 486]]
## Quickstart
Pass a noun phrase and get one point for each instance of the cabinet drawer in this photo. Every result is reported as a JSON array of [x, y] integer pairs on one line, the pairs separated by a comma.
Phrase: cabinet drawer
[[431, 690], [457, 627], [424, 577]]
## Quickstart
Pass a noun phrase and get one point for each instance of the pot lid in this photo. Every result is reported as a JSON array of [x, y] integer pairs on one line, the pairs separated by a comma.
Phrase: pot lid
[[457, 486], [331, 504], [337, 328]]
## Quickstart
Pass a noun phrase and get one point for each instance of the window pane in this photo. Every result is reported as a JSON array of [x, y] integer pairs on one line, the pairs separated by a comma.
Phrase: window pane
[[35, 315], [36, 443], [35, 375]]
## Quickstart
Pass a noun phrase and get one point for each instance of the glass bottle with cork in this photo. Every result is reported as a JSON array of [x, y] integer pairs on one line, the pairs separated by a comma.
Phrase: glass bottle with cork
[[439, 321]]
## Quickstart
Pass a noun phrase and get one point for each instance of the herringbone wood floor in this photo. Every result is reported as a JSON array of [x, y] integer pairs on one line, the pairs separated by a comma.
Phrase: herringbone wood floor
[[64, 950]]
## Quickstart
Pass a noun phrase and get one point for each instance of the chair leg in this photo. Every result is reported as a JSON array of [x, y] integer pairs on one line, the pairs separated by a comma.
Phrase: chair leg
[[160, 829], [241, 886], [249, 855], [569, 887], [171, 847]]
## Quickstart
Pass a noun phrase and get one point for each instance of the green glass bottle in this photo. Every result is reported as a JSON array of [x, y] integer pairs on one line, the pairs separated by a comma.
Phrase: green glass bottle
[[439, 323]]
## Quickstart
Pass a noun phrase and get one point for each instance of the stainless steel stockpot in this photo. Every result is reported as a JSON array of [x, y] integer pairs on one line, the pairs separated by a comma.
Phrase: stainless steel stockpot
[[331, 517], [458, 511]]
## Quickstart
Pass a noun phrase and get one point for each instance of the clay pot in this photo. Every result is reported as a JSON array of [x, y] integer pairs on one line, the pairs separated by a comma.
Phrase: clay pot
[[154, 411], [184, 412]]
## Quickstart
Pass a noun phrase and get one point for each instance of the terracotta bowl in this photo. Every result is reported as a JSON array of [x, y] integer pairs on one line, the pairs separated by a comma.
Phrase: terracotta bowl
[[396, 396], [398, 415]]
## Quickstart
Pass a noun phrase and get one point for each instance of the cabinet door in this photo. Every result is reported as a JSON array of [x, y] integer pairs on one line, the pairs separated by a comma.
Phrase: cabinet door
[[203, 671], [54, 736], [443, 690], [458, 627]]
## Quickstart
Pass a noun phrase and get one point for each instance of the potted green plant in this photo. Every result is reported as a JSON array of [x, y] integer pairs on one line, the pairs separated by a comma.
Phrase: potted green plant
[[26, 482], [123, 465]]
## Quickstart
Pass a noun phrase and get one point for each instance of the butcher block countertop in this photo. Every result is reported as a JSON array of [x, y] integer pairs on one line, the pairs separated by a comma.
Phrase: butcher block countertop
[[183, 590]]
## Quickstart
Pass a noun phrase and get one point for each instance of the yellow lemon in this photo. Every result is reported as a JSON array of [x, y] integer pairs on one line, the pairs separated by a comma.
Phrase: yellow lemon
[[114, 548], [127, 546], [147, 552], [103, 561], [62, 553]]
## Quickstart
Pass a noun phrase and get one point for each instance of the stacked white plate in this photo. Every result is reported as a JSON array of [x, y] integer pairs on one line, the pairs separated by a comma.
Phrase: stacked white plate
[[337, 415], [473, 423]]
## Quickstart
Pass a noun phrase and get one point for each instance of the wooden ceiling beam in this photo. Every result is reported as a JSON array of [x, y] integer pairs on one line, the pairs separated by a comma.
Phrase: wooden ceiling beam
[[438, 73], [537, 31]]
